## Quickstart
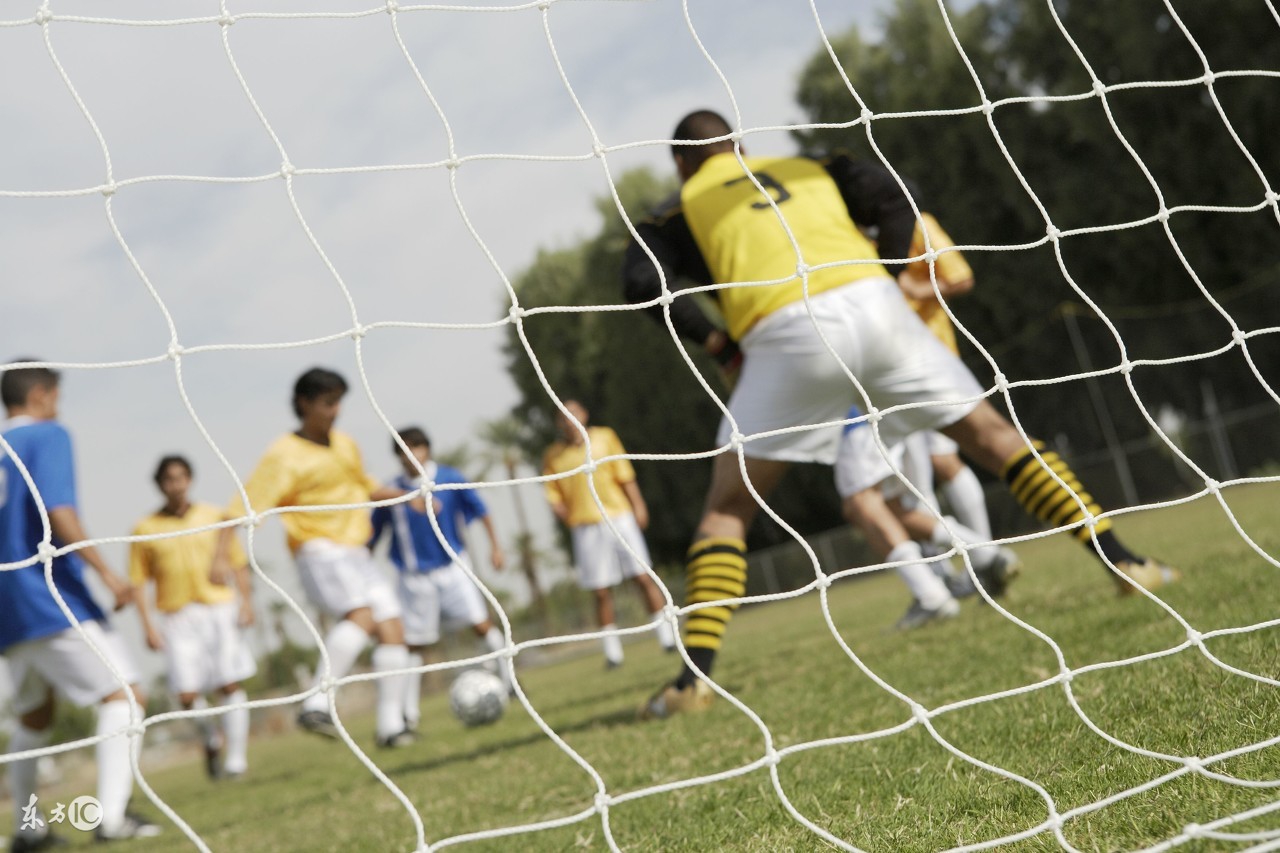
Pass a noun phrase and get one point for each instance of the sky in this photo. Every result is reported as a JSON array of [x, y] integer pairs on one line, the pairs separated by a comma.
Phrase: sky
[[231, 262]]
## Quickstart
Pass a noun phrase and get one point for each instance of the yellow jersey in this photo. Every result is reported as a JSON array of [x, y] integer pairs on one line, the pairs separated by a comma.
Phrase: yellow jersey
[[949, 267], [574, 493], [180, 565], [298, 472], [742, 240]]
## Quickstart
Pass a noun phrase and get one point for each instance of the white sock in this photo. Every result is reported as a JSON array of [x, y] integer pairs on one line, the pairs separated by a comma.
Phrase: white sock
[[390, 688], [925, 586], [208, 728], [235, 724], [666, 636], [612, 644], [344, 643], [968, 502], [493, 641], [413, 691], [115, 776], [22, 775], [981, 555]]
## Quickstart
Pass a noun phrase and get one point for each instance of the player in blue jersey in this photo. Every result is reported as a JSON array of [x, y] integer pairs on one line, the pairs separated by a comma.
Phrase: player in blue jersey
[[45, 652], [433, 588]]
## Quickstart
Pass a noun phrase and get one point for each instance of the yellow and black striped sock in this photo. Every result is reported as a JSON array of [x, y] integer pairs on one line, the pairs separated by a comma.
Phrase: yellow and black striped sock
[[1043, 497], [716, 570]]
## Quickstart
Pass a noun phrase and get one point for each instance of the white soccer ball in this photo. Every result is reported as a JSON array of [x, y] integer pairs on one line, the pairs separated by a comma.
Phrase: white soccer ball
[[478, 697]]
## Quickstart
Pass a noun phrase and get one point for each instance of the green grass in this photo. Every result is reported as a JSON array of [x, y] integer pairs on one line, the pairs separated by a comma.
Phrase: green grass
[[902, 792]]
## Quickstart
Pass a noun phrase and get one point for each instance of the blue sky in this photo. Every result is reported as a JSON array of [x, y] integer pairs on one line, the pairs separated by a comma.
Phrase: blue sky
[[231, 262]]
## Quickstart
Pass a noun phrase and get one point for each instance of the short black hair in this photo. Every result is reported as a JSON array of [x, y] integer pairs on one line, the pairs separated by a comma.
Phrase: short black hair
[[413, 436], [316, 382], [172, 459], [17, 384], [697, 126]]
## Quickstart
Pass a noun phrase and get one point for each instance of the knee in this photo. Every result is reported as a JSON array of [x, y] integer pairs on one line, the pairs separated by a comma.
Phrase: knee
[[189, 699], [362, 618], [230, 689], [39, 719]]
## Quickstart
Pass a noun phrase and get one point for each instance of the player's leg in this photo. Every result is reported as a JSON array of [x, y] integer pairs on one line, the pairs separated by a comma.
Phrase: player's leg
[[462, 602], [189, 649], [956, 482], [390, 656], [596, 560], [632, 554], [996, 566], [233, 664], [989, 439], [863, 475], [34, 705], [67, 663], [420, 618]]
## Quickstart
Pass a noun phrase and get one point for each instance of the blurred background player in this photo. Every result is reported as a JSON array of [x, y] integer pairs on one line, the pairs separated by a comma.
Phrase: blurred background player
[[724, 227], [433, 588], [319, 466], [600, 557], [865, 480], [45, 652], [200, 624]]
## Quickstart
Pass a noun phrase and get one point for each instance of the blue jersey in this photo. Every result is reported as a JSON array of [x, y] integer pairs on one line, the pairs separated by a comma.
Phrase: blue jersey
[[27, 608], [854, 412], [414, 544]]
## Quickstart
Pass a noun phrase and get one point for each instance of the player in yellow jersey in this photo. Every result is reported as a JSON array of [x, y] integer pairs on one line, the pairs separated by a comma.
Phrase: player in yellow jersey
[[727, 228], [319, 466], [200, 622], [599, 554]]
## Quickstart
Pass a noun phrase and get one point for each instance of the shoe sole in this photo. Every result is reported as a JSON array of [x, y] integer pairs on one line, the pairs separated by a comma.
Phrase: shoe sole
[[322, 729]]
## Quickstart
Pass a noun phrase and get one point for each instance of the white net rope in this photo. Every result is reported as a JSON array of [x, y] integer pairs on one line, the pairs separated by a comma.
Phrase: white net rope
[[915, 714]]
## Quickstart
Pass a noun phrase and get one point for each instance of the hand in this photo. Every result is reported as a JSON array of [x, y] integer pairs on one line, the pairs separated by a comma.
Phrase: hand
[[642, 516], [727, 355], [155, 641], [914, 285], [247, 615], [122, 591], [220, 572], [497, 558]]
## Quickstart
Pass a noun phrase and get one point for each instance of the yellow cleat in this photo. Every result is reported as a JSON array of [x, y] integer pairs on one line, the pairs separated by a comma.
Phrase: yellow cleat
[[1149, 574], [670, 701]]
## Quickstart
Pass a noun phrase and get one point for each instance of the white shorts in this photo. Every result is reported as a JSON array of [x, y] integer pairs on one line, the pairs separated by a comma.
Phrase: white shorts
[[444, 595], [205, 649], [341, 578], [860, 465], [790, 379], [600, 557], [64, 662]]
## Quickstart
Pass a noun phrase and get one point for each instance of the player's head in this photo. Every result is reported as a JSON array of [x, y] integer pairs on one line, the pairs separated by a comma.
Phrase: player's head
[[695, 127], [173, 477], [419, 445], [317, 397], [566, 426], [31, 390]]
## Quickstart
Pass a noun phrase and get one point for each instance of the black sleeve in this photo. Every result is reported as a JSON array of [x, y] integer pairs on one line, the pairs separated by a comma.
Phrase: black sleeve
[[667, 235], [875, 200]]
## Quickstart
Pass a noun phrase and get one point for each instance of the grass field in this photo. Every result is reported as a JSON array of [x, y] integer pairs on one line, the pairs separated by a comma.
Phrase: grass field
[[900, 792]]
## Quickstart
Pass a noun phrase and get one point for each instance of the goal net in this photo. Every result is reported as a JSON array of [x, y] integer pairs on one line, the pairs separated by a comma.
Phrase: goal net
[[200, 201]]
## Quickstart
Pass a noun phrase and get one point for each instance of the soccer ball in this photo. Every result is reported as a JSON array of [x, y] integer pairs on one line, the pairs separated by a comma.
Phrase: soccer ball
[[477, 697]]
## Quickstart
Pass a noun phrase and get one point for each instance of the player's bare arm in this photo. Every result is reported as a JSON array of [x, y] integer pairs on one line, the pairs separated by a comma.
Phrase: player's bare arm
[[497, 557], [638, 507], [68, 530]]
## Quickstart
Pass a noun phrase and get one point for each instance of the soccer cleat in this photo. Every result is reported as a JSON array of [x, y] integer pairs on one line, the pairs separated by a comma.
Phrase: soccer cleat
[[411, 724], [132, 826], [212, 763], [318, 722], [1149, 574], [397, 740], [996, 576], [671, 700], [610, 663], [32, 843], [917, 614]]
